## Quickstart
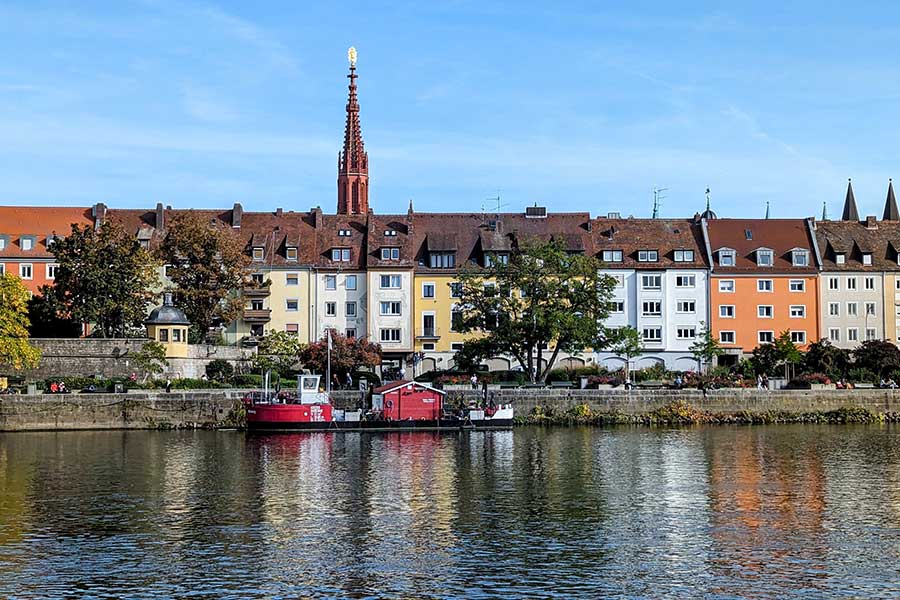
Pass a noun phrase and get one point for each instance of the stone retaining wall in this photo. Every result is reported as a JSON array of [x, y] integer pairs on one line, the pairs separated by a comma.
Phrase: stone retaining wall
[[153, 409]]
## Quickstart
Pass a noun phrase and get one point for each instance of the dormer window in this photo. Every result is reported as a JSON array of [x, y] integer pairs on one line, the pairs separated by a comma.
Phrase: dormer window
[[51, 239], [390, 233], [145, 244], [390, 254], [340, 254], [764, 257], [5, 240], [344, 233], [496, 258], [26, 243], [867, 258], [291, 253], [727, 257], [612, 256], [442, 260], [648, 255], [800, 258], [684, 256], [841, 258], [259, 253]]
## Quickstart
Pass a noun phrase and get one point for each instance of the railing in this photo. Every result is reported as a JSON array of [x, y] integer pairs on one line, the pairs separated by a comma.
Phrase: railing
[[257, 290], [263, 315], [428, 333]]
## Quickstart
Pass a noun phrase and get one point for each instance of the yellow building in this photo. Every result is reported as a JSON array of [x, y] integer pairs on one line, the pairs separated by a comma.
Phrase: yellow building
[[168, 325], [433, 304]]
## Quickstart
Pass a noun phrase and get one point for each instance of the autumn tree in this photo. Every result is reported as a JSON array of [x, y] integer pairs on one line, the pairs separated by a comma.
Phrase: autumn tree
[[15, 350], [347, 355], [278, 351], [104, 278], [540, 302], [207, 267]]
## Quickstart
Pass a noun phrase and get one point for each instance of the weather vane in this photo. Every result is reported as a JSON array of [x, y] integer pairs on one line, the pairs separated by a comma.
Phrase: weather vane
[[351, 56]]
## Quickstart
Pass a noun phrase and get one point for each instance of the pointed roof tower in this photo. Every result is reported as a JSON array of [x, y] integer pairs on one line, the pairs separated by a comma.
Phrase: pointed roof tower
[[708, 213], [890, 204], [353, 162], [824, 211], [850, 212]]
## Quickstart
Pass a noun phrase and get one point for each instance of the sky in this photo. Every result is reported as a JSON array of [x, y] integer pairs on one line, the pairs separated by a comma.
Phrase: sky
[[574, 106]]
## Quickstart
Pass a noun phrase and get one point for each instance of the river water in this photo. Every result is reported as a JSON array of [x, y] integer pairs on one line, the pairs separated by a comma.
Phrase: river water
[[718, 512]]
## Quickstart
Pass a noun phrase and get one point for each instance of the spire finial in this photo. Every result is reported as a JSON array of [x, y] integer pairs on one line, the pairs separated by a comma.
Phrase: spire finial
[[707, 198], [351, 56]]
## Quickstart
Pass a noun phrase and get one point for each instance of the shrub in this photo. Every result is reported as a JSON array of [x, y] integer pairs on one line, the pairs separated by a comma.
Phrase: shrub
[[861, 375], [247, 380], [219, 370]]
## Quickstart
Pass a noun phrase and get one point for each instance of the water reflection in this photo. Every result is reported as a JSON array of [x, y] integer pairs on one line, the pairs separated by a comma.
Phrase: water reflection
[[753, 512]]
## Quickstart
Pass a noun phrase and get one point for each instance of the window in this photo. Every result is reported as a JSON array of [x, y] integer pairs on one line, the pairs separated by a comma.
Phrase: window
[[869, 283], [340, 254], [851, 283], [291, 279], [164, 335], [870, 308], [390, 233], [428, 290], [344, 233], [292, 305], [331, 282], [686, 281], [832, 283], [852, 334], [456, 346], [455, 290], [867, 258], [652, 308], [145, 244], [257, 305], [765, 311], [612, 256], [686, 333], [651, 282], [495, 258], [258, 278], [620, 280], [428, 346], [648, 255], [684, 256], [390, 282], [259, 254], [331, 309], [840, 258], [726, 311], [390, 308], [390, 254], [652, 334], [292, 329], [766, 337], [3, 239], [51, 271], [726, 258], [797, 285], [800, 258], [764, 258], [390, 335], [798, 337], [456, 317], [798, 311], [442, 260], [26, 243], [726, 337], [617, 306], [25, 271], [870, 334], [350, 309], [764, 285], [351, 332], [834, 309], [350, 282], [686, 306], [726, 286], [852, 309], [291, 254], [176, 334], [834, 334], [2, 269]]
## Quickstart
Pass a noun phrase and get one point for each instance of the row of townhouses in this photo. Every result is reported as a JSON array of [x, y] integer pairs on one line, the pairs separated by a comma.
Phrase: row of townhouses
[[390, 277]]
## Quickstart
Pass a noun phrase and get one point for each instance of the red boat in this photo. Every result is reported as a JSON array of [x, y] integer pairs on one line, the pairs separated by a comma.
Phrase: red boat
[[400, 405]]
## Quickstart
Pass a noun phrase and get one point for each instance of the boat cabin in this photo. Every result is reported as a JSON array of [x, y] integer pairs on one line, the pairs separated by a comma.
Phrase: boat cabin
[[408, 400]]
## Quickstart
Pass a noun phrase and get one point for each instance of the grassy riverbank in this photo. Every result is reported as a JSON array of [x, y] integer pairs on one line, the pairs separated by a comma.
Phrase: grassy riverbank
[[680, 412]]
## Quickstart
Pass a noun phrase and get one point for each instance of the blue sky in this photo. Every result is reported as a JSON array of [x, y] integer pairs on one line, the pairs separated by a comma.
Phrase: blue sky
[[577, 106]]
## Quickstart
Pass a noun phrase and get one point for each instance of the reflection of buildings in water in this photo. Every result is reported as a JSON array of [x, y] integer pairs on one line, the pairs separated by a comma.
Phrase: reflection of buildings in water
[[15, 479]]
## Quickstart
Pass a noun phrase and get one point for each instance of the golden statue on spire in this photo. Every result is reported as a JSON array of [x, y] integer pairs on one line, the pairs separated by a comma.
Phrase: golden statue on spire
[[351, 56]]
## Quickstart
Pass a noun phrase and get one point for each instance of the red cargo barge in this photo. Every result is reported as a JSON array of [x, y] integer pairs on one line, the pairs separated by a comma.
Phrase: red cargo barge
[[400, 405]]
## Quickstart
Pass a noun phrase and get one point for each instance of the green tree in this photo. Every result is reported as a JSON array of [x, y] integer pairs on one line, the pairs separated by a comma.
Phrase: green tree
[[208, 265], [787, 352], [47, 320], [705, 347], [104, 278], [278, 351], [151, 359], [544, 300], [825, 357], [765, 359], [878, 356], [15, 350], [625, 342], [347, 355], [219, 370]]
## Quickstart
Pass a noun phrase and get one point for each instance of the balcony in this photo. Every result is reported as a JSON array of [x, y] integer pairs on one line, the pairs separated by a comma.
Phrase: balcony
[[257, 290], [263, 315], [428, 333]]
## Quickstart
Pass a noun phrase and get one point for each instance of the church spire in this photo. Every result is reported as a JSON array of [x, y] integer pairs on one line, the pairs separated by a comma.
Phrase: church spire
[[824, 211], [850, 212], [890, 204], [353, 162]]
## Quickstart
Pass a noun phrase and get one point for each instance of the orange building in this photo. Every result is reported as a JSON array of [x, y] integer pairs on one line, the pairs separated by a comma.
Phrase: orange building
[[27, 232], [764, 281]]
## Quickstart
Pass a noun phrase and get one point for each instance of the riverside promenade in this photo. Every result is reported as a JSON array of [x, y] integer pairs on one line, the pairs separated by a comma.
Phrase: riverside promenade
[[211, 409]]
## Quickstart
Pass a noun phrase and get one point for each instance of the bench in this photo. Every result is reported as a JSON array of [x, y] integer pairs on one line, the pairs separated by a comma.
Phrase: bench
[[652, 385], [561, 384]]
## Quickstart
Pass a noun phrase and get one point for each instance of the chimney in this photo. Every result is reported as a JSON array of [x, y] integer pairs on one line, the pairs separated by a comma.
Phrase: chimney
[[237, 214], [317, 217], [279, 212], [871, 222], [160, 217], [99, 214]]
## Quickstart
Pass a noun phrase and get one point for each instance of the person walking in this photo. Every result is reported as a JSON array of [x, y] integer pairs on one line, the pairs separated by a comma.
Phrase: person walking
[[349, 381], [474, 380], [168, 385]]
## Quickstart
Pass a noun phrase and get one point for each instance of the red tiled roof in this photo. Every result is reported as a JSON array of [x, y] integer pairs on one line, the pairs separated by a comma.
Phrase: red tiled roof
[[663, 235], [853, 238], [779, 235], [40, 222]]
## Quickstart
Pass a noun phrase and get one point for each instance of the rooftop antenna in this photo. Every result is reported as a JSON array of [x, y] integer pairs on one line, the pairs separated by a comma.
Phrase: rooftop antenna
[[498, 202], [767, 210], [657, 200]]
